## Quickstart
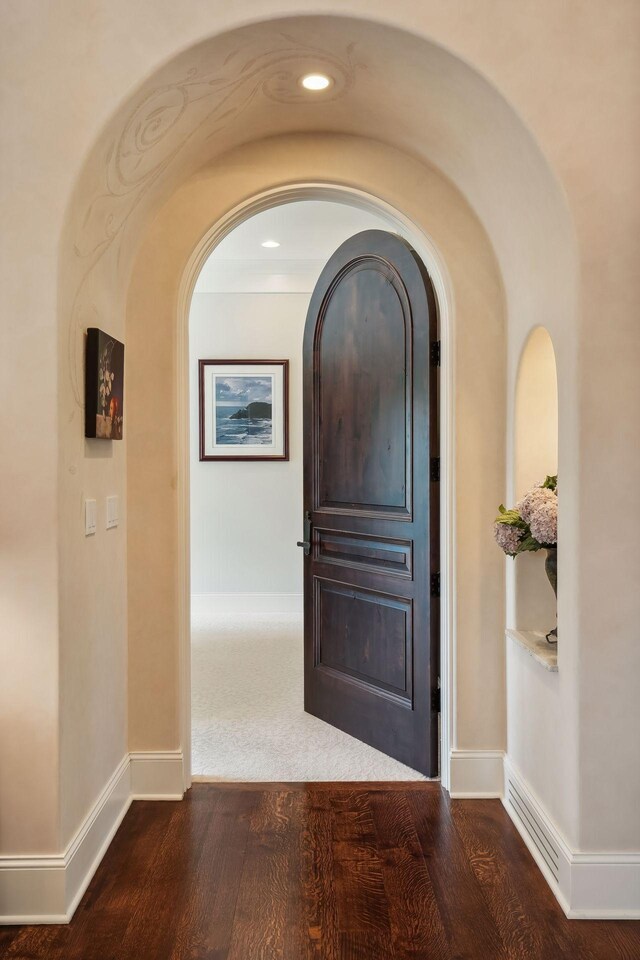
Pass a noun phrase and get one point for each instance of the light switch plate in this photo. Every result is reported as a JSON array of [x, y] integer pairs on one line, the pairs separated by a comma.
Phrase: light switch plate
[[90, 512], [112, 512]]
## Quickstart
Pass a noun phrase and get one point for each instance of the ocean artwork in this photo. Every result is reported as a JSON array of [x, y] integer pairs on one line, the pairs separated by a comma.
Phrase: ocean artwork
[[243, 410]]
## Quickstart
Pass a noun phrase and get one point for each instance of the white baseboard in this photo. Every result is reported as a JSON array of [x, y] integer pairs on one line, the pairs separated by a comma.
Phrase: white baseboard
[[47, 889], [92, 840], [212, 603], [589, 886], [476, 774], [157, 775]]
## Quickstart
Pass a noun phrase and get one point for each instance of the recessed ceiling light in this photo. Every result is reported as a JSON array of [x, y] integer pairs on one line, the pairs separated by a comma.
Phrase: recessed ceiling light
[[315, 81], [270, 244]]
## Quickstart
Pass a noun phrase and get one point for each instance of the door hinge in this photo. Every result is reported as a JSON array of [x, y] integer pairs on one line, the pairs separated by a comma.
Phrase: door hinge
[[435, 584], [435, 468], [435, 699], [435, 353]]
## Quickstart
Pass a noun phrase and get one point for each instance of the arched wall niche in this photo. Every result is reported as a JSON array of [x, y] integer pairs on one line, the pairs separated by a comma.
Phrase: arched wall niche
[[410, 122], [541, 705], [536, 456]]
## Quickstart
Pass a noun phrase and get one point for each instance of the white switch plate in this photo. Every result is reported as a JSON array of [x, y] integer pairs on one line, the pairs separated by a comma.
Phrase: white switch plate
[[90, 510], [112, 512]]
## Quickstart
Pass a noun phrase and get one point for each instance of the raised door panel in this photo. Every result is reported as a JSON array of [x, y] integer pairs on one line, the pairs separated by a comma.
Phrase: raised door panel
[[388, 555], [365, 637], [363, 387]]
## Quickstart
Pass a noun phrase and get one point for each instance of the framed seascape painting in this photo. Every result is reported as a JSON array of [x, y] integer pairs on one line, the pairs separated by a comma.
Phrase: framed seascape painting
[[104, 386], [244, 409]]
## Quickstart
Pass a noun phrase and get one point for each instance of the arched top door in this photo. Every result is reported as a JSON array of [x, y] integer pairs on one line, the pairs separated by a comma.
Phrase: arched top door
[[371, 499]]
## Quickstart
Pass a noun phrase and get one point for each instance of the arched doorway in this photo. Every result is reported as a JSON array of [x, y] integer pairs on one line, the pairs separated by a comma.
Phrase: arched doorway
[[162, 144], [401, 224]]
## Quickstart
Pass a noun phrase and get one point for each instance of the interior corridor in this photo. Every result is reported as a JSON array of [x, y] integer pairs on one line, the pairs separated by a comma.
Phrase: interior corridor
[[322, 306]]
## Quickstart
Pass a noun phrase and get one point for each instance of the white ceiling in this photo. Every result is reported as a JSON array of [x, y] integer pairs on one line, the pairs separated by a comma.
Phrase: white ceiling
[[308, 231]]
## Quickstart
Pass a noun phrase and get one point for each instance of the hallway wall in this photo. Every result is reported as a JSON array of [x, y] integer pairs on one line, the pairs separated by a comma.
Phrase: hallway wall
[[247, 517]]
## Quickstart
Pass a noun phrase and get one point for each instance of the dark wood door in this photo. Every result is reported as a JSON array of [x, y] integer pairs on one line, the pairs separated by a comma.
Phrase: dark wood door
[[370, 433]]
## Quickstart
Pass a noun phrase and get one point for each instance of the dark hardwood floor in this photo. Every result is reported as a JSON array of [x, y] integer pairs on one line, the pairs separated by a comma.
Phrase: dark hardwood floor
[[320, 872]]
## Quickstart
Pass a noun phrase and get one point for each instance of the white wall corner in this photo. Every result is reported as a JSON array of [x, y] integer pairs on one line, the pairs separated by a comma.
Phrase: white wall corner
[[48, 888], [590, 886], [157, 775], [476, 774]]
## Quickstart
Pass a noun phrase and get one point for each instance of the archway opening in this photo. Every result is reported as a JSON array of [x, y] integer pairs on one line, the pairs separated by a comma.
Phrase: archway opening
[[131, 225], [249, 300]]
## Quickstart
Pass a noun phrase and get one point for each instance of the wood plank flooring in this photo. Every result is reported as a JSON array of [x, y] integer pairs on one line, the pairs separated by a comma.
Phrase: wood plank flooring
[[320, 872]]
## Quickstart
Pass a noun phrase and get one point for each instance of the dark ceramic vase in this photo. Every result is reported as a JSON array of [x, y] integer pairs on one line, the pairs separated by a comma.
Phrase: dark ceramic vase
[[551, 570]]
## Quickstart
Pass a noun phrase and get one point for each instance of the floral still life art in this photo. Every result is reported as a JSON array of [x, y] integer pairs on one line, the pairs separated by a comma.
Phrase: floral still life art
[[531, 526], [104, 386]]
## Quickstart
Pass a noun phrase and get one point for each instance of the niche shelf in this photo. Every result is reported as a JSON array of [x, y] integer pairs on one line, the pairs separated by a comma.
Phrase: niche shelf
[[535, 644]]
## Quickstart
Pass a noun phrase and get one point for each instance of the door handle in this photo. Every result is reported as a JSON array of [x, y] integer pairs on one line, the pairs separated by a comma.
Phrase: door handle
[[306, 543]]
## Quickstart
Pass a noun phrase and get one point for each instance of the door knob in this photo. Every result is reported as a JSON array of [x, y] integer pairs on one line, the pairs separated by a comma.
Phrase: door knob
[[306, 543]]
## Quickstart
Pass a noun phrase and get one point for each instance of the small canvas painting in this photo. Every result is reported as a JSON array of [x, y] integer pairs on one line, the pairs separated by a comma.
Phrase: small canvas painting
[[104, 386], [244, 409]]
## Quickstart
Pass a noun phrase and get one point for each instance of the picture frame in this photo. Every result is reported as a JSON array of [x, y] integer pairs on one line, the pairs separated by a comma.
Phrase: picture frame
[[103, 386], [244, 409]]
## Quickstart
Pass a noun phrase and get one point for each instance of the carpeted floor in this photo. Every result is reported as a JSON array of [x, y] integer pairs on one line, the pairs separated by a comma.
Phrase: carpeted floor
[[248, 720]]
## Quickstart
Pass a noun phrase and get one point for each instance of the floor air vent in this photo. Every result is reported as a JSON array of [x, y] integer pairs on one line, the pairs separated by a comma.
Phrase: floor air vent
[[536, 831]]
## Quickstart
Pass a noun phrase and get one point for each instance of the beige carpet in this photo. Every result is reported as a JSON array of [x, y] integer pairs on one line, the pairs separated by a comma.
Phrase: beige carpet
[[248, 720]]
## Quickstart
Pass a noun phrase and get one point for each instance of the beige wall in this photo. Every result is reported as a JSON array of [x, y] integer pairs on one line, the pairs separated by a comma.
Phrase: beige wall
[[93, 599], [550, 168]]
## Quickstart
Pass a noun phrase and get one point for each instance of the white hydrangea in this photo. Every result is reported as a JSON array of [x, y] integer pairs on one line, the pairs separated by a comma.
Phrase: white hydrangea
[[544, 522], [508, 537], [533, 501]]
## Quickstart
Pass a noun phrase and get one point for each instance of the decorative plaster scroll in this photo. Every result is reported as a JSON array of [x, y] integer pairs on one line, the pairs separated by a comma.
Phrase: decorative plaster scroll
[[164, 120], [160, 125]]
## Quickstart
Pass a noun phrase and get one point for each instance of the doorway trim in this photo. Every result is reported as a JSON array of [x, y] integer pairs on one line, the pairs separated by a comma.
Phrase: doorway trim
[[428, 251]]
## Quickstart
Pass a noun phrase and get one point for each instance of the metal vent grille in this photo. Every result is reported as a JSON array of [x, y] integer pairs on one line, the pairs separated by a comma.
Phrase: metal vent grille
[[536, 831]]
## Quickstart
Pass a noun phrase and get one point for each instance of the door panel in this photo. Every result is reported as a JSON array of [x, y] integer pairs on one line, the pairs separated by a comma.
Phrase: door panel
[[364, 552], [364, 460], [365, 636], [370, 428]]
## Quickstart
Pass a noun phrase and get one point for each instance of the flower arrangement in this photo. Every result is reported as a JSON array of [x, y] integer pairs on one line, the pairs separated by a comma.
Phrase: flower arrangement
[[533, 525], [105, 377]]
